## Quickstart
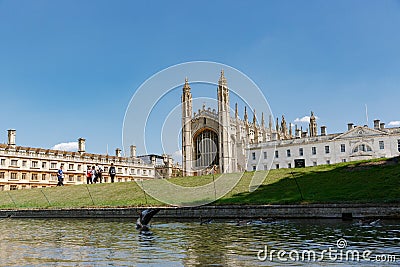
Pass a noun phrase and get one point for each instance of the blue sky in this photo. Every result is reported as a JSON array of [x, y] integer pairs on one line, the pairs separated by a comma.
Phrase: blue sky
[[68, 69]]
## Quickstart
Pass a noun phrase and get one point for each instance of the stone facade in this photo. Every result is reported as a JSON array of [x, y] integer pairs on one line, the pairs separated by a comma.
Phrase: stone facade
[[27, 167], [214, 138], [357, 143]]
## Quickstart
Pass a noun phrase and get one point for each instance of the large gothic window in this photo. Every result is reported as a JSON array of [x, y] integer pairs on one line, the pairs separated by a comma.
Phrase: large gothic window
[[206, 149]]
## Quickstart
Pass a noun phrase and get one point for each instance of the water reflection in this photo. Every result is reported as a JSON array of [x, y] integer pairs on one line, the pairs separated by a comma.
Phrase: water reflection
[[95, 242]]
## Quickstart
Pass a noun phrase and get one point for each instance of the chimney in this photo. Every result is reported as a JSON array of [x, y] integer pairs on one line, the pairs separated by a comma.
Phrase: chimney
[[350, 126], [377, 124], [81, 145], [133, 151], [11, 137], [323, 130], [382, 126], [153, 159], [118, 152]]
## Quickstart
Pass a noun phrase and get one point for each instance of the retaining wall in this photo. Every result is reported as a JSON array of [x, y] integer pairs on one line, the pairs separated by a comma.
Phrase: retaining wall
[[345, 211]]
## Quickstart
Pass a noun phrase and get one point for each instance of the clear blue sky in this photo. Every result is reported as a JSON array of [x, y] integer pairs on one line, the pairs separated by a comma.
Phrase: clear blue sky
[[69, 68]]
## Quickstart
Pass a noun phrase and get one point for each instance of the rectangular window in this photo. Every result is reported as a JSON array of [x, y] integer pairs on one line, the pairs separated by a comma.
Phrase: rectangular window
[[70, 178], [398, 145], [301, 152], [24, 163], [289, 165], [253, 156], [13, 187], [79, 179], [328, 162], [276, 154], [79, 167], [277, 166], [265, 154], [14, 162], [342, 148], [3, 162], [288, 153], [43, 176], [2, 187], [13, 175], [344, 160], [53, 165], [34, 177], [314, 150], [53, 177], [381, 145], [133, 171], [70, 166], [44, 165], [144, 172], [254, 168], [2, 175], [34, 164], [314, 163], [327, 150], [119, 170], [24, 176]]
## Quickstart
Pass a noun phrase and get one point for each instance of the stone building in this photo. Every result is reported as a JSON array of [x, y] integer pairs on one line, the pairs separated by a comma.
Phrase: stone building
[[307, 148], [214, 138], [27, 167]]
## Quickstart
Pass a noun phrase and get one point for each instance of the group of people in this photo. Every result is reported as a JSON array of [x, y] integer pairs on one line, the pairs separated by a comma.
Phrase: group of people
[[94, 174]]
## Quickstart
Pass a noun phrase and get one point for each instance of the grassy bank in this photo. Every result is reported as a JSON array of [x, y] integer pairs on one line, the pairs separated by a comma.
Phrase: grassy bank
[[376, 181]]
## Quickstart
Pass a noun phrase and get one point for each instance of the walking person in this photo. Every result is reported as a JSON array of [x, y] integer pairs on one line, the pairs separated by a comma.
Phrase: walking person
[[60, 176], [94, 175], [99, 172], [89, 175], [112, 172]]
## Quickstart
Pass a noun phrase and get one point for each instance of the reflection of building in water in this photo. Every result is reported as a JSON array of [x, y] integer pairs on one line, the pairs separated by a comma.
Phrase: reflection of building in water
[[27, 167], [213, 137]]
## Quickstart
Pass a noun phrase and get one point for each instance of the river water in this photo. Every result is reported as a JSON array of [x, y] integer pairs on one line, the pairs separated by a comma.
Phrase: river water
[[106, 242]]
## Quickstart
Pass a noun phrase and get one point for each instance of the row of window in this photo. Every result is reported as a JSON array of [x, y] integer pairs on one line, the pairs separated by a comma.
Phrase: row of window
[[289, 166], [53, 176], [71, 167], [362, 147], [15, 187]]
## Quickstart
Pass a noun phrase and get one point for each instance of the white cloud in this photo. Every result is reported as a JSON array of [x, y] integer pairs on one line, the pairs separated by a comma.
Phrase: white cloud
[[177, 156], [69, 146], [394, 123], [305, 119]]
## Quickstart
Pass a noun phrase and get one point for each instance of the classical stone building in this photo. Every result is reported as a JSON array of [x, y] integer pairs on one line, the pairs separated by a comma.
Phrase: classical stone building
[[214, 138], [27, 167], [310, 149]]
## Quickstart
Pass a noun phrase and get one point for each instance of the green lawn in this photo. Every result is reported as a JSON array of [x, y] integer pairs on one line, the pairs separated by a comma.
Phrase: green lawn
[[376, 181]]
